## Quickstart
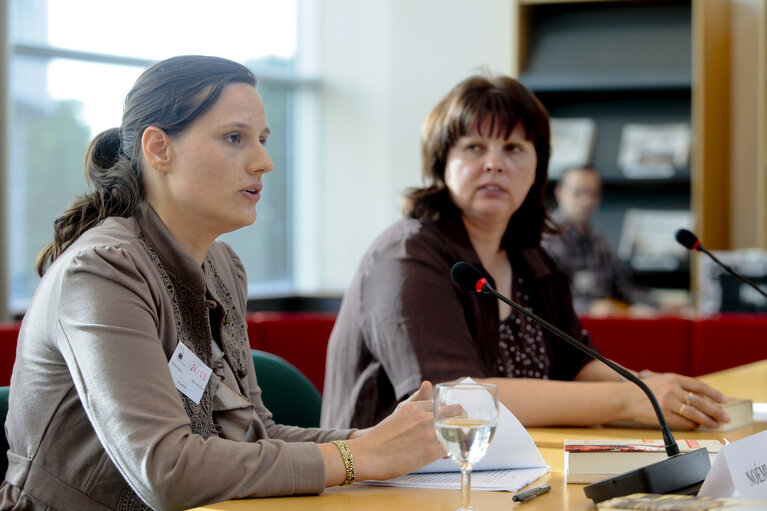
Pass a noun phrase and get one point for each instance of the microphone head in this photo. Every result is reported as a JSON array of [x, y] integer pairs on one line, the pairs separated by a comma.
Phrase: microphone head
[[687, 239], [465, 275]]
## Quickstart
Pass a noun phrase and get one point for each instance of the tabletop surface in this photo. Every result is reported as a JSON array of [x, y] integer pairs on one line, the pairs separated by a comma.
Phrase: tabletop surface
[[749, 381]]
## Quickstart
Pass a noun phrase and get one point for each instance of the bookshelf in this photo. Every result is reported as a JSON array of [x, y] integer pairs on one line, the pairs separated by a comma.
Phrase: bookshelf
[[622, 62]]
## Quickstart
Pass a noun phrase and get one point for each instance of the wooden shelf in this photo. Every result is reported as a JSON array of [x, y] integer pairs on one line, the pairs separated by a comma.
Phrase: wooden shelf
[[569, 81], [637, 62]]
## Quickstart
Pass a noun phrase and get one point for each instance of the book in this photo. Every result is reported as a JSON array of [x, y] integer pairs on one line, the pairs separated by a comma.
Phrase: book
[[589, 461], [657, 502], [740, 410]]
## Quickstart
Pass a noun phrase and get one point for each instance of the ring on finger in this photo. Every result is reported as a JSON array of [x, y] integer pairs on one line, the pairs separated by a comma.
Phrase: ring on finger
[[690, 397], [681, 409]]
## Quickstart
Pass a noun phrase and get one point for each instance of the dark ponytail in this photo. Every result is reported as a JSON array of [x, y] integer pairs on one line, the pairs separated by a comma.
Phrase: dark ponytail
[[117, 190], [169, 95]]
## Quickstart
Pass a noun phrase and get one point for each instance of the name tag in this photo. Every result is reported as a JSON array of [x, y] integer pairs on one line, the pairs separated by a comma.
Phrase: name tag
[[189, 373], [740, 470]]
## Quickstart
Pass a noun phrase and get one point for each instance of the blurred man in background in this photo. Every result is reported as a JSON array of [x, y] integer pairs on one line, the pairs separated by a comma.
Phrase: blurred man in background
[[598, 280]]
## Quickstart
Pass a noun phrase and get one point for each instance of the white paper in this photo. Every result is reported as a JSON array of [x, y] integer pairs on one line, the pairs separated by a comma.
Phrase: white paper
[[488, 480], [511, 447], [739, 470], [512, 461], [189, 373]]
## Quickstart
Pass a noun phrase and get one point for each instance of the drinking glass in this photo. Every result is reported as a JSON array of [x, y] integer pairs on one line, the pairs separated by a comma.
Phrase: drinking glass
[[465, 417]]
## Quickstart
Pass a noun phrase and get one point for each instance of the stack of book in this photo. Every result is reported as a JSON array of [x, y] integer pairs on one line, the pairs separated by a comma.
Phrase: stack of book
[[589, 461]]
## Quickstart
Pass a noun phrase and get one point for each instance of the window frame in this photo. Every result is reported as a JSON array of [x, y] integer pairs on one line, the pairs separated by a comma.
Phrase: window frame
[[303, 84]]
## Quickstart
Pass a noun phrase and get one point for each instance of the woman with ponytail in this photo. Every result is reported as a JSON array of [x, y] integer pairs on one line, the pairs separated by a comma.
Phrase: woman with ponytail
[[133, 386]]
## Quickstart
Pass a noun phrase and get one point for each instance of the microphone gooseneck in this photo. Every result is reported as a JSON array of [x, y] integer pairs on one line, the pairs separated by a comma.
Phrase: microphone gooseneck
[[469, 277], [679, 473], [691, 242]]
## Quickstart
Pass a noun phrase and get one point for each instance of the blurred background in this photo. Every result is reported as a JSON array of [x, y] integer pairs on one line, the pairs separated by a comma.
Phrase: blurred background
[[347, 85]]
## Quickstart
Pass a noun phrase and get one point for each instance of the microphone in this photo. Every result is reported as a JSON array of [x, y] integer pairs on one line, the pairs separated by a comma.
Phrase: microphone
[[691, 242], [679, 473]]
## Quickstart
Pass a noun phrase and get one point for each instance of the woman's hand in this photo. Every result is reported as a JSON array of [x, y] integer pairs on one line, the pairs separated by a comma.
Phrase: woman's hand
[[425, 392], [401, 443], [686, 402]]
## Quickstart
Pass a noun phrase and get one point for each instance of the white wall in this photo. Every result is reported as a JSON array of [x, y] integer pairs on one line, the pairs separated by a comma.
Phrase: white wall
[[384, 64]]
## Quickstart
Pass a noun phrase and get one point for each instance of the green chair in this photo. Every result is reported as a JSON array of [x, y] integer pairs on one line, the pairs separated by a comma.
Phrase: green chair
[[286, 392], [3, 441]]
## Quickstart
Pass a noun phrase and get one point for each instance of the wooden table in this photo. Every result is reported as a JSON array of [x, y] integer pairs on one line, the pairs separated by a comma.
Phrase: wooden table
[[749, 381]]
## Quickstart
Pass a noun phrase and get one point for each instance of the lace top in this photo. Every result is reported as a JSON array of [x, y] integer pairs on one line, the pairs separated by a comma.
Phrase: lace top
[[522, 349]]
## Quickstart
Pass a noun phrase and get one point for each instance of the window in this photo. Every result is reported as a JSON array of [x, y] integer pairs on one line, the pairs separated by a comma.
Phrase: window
[[72, 63]]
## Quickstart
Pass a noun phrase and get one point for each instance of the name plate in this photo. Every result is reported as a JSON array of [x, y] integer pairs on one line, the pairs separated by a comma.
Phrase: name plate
[[189, 373], [740, 470]]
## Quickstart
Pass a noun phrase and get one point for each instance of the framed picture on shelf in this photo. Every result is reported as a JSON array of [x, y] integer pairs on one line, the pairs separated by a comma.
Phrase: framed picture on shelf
[[572, 141], [648, 239], [719, 291], [652, 151]]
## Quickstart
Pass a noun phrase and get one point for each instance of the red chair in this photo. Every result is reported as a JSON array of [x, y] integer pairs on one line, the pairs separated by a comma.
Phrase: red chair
[[659, 344], [9, 334], [301, 338], [728, 340]]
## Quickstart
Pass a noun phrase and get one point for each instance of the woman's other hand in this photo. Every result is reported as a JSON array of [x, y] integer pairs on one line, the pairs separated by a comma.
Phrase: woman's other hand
[[686, 402]]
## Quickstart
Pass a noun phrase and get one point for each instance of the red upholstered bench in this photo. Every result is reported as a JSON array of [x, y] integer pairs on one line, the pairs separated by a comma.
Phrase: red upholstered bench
[[680, 345], [9, 333], [728, 340], [659, 344], [301, 338]]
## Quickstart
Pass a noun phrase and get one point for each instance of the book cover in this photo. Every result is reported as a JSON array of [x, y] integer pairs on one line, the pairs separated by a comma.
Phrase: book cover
[[656, 502], [589, 461]]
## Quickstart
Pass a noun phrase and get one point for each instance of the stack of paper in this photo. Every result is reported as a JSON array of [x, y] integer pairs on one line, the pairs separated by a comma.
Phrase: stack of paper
[[512, 461]]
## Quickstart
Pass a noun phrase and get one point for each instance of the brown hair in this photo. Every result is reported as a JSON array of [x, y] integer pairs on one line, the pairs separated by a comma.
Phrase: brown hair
[[169, 95], [506, 103]]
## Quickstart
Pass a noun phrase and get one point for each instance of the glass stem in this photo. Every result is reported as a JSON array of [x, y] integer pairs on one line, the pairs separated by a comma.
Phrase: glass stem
[[466, 486]]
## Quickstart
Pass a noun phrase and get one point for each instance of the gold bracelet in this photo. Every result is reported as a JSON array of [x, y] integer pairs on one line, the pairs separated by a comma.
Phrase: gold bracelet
[[346, 454]]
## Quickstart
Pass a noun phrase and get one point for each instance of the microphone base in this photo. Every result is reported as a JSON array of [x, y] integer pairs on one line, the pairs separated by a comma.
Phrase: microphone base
[[682, 474]]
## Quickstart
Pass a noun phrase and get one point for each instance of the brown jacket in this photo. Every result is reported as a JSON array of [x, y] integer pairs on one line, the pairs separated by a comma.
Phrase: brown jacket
[[95, 420]]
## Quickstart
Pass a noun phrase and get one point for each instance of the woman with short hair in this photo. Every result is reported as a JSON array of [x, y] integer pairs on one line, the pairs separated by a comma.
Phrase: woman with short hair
[[485, 152]]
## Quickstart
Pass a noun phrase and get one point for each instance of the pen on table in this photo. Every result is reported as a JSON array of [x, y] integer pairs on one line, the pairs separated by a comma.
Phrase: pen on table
[[530, 494]]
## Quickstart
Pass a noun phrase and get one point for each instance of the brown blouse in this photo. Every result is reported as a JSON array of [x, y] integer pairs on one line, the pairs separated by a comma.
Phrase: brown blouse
[[403, 320]]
